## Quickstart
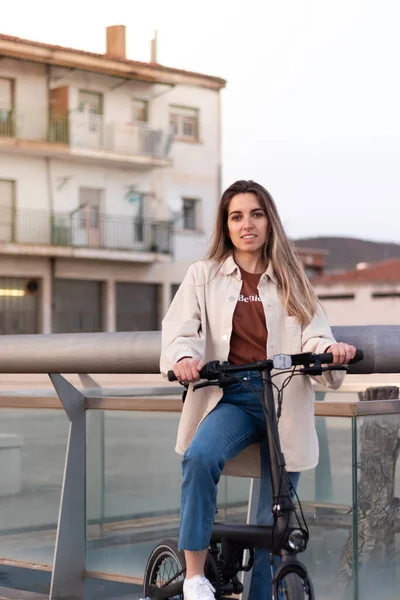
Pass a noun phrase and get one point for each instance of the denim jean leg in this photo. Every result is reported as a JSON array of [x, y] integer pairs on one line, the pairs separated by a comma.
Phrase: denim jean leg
[[260, 587], [224, 433]]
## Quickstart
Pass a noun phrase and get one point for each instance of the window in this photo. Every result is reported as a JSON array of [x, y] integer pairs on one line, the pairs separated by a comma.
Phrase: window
[[90, 200], [90, 102], [393, 294], [6, 106], [336, 296], [189, 213], [91, 105], [7, 210], [140, 110], [184, 122]]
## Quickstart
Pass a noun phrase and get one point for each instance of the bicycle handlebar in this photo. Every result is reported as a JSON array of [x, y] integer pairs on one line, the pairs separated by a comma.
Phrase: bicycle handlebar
[[213, 369]]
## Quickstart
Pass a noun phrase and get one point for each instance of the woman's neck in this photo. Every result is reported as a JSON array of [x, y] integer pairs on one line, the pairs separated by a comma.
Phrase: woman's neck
[[249, 262]]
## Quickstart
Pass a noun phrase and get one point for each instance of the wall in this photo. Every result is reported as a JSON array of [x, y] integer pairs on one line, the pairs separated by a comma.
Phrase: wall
[[31, 188], [196, 166], [30, 84], [43, 184], [363, 309], [68, 177]]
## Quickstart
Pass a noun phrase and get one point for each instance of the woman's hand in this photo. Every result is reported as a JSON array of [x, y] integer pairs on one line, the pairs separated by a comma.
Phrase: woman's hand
[[187, 370], [342, 353]]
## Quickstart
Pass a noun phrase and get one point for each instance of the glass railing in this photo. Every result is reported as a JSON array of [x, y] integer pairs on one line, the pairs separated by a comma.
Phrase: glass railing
[[133, 488]]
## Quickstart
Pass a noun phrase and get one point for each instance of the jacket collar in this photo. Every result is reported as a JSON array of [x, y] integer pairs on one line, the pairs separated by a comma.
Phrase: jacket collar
[[229, 266]]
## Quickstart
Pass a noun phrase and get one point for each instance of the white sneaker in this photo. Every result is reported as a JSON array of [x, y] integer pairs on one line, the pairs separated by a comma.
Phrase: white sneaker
[[198, 588]]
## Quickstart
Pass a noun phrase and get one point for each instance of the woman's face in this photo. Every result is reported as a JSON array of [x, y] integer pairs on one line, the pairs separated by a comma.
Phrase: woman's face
[[247, 223]]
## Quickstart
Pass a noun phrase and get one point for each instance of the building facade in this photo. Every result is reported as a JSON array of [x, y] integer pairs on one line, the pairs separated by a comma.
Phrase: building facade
[[368, 295], [110, 174]]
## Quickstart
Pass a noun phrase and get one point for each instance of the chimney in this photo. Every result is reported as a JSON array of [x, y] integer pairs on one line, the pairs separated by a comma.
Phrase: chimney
[[153, 47], [116, 41]]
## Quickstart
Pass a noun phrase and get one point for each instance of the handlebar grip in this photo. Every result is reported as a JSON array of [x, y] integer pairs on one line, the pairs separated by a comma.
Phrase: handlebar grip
[[171, 376], [358, 356], [327, 357]]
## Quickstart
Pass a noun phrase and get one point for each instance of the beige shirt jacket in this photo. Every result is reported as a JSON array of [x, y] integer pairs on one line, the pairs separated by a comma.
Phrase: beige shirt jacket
[[199, 324]]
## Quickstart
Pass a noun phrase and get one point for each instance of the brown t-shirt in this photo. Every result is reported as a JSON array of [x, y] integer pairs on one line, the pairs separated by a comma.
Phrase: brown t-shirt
[[249, 332]]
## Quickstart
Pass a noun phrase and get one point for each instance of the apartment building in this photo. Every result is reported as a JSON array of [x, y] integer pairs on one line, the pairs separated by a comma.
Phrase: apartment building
[[109, 177], [367, 295]]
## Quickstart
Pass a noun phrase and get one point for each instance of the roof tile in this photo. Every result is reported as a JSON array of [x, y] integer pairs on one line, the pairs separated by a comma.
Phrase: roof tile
[[387, 271]]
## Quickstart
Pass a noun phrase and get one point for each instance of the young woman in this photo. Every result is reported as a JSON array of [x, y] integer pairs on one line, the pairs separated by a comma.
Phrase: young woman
[[248, 301]]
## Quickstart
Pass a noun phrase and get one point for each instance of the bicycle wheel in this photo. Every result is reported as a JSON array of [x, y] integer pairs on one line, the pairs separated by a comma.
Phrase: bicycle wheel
[[166, 565], [294, 588]]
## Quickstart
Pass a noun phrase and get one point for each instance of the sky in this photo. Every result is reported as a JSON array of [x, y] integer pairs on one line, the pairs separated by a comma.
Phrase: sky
[[312, 102]]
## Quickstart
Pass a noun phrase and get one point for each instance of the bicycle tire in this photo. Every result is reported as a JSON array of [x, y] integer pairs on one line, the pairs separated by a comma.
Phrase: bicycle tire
[[166, 554], [295, 588]]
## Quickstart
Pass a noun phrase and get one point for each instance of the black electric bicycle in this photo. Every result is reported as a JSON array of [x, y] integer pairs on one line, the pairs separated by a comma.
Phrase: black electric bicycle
[[288, 536]]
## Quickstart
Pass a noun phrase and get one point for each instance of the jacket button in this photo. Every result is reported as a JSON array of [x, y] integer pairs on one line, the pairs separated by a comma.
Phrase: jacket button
[[224, 338], [231, 298]]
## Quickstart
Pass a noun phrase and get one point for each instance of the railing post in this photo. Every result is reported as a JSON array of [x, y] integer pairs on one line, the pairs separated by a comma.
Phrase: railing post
[[254, 494], [69, 559], [323, 472], [95, 479]]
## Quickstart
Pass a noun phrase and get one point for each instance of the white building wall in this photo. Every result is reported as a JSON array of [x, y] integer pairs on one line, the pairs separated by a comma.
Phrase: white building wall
[[196, 166], [30, 87], [53, 184], [30, 97], [363, 309], [30, 176], [117, 93], [68, 177]]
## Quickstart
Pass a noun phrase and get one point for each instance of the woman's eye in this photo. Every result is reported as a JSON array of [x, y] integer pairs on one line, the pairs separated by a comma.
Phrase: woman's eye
[[235, 217], [258, 215]]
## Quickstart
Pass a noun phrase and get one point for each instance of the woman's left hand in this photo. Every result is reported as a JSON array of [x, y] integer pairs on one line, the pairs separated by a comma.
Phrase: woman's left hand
[[342, 353]]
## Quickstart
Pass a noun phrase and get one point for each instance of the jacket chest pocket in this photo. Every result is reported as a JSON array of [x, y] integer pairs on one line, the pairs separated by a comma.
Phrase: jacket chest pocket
[[291, 335]]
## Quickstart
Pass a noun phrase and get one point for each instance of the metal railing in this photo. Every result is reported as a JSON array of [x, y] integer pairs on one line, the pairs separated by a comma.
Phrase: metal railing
[[138, 352], [85, 228], [83, 130]]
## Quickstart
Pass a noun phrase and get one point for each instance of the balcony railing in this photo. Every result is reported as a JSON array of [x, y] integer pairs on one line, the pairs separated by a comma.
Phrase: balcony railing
[[83, 130], [85, 228]]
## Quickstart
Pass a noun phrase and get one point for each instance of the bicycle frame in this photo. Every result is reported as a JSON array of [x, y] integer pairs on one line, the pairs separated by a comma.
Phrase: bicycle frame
[[280, 538]]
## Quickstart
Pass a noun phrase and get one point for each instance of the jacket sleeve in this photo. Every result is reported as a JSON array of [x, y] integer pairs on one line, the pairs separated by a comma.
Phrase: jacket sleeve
[[181, 331], [316, 338]]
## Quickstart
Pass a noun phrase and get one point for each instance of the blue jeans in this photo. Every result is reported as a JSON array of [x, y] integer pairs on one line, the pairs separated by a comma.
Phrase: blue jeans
[[235, 423]]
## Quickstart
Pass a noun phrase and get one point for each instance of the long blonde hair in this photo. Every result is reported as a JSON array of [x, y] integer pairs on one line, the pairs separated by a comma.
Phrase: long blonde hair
[[298, 297]]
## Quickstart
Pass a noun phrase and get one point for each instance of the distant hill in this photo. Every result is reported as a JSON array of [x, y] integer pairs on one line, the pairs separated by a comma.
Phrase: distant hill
[[345, 253]]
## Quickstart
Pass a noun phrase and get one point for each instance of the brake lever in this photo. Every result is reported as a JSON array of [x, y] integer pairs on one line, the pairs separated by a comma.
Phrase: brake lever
[[197, 386], [319, 370], [223, 382]]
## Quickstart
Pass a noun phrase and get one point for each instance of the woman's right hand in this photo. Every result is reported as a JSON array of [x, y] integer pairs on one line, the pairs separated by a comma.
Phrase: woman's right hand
[[187, 370]]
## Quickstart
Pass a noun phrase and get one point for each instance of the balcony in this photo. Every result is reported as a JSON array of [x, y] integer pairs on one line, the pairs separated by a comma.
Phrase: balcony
[[85, 228], [92, 138]]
